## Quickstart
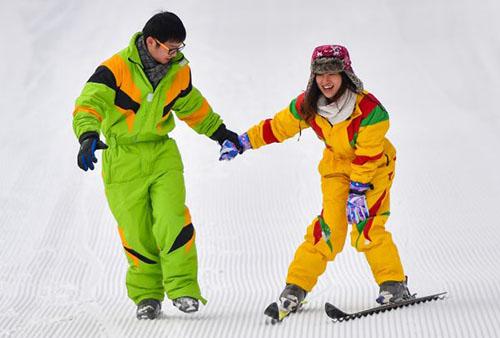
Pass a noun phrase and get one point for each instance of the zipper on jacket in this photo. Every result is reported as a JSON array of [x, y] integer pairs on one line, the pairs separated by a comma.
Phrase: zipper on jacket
[[143, 74]]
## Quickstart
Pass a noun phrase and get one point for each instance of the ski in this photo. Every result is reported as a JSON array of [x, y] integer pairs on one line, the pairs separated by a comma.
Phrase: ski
[[338, 315], [277, 314]]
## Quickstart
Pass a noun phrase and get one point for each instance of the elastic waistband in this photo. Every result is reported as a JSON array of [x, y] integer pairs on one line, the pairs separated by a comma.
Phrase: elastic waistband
[[114, 141]]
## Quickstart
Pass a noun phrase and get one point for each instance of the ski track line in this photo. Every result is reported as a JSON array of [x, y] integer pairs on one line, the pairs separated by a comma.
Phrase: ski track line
[[18, 227], [59, 245]]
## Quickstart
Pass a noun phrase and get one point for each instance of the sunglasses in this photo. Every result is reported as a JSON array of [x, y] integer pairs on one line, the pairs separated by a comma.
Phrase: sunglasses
[[171, 51]]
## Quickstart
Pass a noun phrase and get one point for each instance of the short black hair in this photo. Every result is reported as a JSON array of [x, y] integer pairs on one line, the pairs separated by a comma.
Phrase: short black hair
[[165, 26]]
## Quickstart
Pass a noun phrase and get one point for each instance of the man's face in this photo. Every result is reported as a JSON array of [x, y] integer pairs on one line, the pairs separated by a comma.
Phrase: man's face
[[163, 52]]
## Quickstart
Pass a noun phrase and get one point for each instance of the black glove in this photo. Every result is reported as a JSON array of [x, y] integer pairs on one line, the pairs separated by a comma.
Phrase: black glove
[[222, 134], [89, 143]]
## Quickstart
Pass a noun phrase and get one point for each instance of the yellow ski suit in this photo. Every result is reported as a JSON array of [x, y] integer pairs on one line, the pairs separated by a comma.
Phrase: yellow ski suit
[[356, 150]]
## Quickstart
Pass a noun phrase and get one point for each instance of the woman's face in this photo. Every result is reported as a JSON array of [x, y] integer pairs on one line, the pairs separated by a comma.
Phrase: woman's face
[[329, 83]]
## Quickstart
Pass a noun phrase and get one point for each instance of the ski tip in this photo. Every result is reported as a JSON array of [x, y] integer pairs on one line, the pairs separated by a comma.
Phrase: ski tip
[[439, 296], [334, 312], [273, 311]]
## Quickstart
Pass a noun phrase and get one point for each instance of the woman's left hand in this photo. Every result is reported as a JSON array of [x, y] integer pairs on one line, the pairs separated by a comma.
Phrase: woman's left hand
[[357, 208]]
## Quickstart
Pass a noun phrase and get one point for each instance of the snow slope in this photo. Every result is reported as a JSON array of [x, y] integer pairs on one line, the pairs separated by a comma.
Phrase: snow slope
[[433, 64]]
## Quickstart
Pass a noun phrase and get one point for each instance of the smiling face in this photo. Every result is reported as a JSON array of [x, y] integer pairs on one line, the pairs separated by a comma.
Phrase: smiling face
[[329, 83]]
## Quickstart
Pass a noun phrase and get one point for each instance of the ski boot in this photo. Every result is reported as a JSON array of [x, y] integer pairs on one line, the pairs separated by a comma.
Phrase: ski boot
[[393, 292], [186, 304], [148, 309], [292, 297]]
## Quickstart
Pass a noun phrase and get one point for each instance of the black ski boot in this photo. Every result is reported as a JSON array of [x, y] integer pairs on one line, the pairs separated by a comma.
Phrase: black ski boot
[[291, 297], [393, 292]]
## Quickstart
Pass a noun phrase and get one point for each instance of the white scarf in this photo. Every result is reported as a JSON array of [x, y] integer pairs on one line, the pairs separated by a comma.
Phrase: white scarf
[[339, 110]]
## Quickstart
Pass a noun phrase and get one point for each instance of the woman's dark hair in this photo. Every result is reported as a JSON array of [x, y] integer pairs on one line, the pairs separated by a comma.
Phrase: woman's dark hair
[[310, 104], [165, 26]]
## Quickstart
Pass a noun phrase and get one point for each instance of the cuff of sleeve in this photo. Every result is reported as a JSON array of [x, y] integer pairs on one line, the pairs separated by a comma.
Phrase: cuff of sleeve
[[219, 134], [88, 134]]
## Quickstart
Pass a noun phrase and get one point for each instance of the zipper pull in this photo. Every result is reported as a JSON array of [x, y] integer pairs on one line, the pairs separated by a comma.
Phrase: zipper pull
[[149, 98]]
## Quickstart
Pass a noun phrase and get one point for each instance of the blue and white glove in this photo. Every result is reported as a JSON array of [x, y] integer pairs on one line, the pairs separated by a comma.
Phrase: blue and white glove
[[229, 151], [357, 209]]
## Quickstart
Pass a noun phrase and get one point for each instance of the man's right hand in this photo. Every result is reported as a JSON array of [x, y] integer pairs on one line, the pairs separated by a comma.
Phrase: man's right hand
[[89, 143], [222, 134]]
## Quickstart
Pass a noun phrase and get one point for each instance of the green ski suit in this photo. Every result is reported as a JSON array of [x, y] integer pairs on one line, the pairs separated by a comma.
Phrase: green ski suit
[[143, 170]]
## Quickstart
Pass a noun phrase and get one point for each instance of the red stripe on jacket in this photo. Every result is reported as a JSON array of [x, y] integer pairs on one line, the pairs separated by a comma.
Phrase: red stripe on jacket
[[267, 132], [317, 129], [360, 160], [373, 211], [298, 103], [366, 105], [317, 233]]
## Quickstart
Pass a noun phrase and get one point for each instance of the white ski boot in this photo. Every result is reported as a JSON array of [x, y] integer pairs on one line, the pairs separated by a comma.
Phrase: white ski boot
[[186, 304]]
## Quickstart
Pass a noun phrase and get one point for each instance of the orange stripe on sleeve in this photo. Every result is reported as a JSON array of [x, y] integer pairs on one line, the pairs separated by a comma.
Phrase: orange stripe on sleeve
[[91, 111], [197, 116]]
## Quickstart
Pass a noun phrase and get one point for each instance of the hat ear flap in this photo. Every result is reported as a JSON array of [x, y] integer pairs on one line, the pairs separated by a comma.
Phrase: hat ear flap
[[358, 84]]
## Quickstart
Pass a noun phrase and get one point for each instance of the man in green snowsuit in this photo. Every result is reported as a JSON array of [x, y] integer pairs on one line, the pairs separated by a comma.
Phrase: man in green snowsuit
[[130, 99]]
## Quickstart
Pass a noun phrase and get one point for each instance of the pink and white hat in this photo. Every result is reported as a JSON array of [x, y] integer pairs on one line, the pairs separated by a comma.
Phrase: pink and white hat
[[333, 59]]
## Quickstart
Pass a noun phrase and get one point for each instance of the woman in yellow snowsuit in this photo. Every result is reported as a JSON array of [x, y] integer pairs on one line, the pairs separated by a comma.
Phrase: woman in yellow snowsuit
[[357, 170]]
